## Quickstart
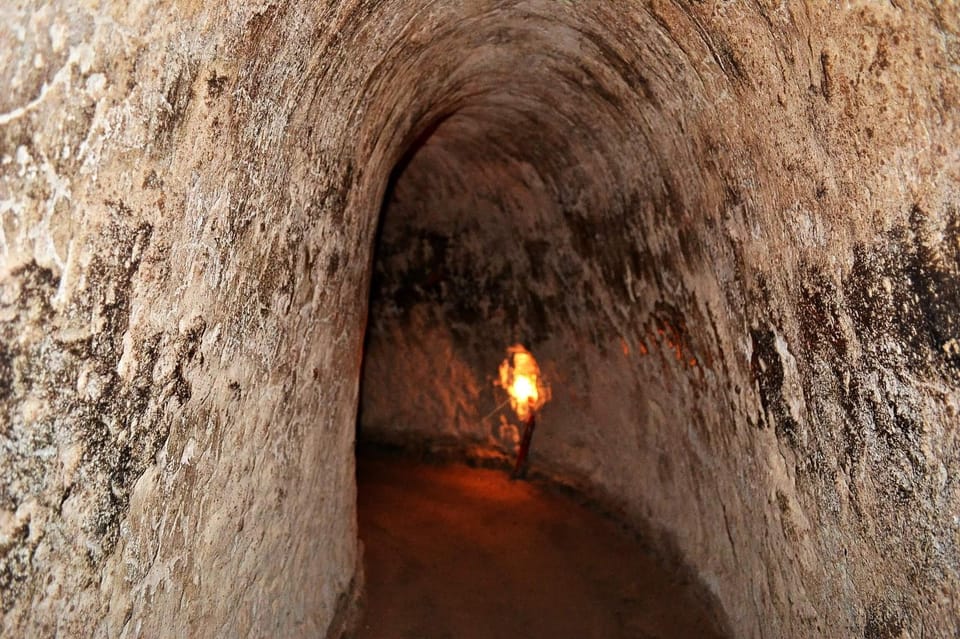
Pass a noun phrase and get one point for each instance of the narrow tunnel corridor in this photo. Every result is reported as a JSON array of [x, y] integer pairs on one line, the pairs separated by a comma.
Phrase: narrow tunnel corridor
[[481, 246], [553, 198], [729, 232]]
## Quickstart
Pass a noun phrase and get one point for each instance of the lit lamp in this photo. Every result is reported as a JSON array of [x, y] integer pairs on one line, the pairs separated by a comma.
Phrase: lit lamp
[[520, 377]]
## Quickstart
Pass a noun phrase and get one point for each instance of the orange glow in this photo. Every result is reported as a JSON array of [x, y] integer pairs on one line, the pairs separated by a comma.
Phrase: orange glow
[[520, 377]]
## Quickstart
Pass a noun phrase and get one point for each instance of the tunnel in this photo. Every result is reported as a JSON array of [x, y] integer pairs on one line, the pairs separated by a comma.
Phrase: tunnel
[[234, 233]]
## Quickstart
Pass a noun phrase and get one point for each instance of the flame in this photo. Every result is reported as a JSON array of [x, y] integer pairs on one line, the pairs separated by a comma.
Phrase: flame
[[520, 377]]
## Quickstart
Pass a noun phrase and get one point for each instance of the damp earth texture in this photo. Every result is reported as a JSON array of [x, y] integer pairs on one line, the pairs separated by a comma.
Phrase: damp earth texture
[[230, 232]]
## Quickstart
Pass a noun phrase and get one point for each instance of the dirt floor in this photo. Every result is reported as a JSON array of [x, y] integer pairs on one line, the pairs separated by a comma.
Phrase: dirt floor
[[459, 552]]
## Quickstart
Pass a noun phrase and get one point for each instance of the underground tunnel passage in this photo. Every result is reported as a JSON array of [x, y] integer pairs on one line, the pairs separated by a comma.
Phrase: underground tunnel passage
[[472, 255], [728, 231]]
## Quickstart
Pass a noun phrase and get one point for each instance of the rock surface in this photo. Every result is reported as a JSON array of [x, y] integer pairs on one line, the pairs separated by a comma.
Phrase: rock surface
[[728, 230]]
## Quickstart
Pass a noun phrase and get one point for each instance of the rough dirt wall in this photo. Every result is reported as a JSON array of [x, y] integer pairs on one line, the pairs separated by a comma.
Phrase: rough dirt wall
[[730, 232], [183, 271], [189, 193]]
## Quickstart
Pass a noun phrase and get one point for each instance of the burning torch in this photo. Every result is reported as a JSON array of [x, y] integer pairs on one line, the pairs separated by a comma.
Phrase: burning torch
[[520, 377]]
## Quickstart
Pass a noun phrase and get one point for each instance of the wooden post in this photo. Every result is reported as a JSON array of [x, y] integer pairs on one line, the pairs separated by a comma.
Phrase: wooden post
[[518, 469]]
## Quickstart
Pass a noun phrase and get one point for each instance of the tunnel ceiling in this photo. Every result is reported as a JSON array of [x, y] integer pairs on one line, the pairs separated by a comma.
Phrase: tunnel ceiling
[[727, 230]]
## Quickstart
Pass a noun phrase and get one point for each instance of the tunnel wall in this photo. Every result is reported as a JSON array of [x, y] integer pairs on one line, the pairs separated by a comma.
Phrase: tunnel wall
[[184, 278], [189, 198], [730, 236]]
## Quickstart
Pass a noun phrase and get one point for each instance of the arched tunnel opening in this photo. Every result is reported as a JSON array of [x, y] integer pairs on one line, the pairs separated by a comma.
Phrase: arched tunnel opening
[[476, 252], [552, 198], [538, 208], [727, 231]]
